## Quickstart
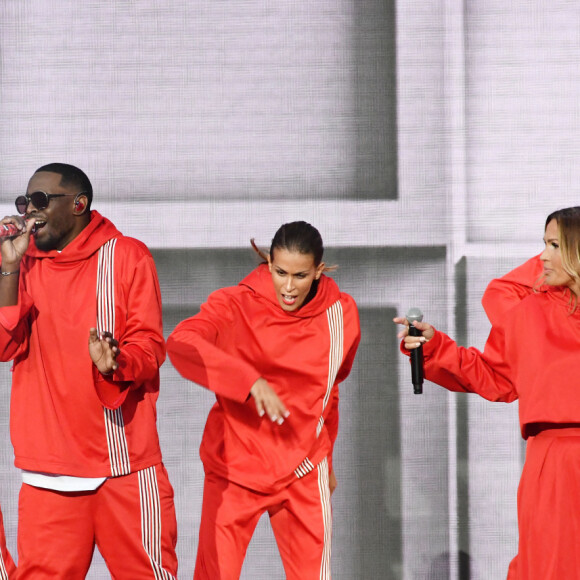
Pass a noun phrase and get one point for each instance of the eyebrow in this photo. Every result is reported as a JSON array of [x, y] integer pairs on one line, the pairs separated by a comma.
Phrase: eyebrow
[[304, 273]]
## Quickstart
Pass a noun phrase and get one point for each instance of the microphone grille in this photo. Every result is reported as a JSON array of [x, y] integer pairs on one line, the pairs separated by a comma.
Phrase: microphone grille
[[414, 314]]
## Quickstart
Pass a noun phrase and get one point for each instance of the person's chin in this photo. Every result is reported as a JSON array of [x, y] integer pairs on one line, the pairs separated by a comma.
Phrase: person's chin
[[44, 243]]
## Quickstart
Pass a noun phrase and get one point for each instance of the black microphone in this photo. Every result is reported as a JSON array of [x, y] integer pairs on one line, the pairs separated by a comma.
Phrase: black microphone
[[417, 353]]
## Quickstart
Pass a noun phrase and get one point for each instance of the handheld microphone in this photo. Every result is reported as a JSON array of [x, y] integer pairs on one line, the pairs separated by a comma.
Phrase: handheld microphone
[[417, 353], [9, 231]]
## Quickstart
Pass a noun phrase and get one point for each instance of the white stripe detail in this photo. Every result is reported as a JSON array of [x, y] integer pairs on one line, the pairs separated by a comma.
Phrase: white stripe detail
[[3, 571], [151, 521], [106, 288], [114, 423], [324, 488], [336, 329], [117, 442], [304, 468]]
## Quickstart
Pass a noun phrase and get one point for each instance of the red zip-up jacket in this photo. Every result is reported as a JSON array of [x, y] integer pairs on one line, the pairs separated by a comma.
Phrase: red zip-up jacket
[[65, 417], [242, 334]]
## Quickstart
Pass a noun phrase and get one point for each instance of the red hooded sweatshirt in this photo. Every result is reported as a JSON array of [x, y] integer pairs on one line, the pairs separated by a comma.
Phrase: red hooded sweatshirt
[[242, 334], [65, 417], [504, 293], [532, 356]]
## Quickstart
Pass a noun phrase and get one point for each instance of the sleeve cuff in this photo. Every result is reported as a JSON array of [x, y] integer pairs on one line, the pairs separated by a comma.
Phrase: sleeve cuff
[[111, 393], [10, 316]]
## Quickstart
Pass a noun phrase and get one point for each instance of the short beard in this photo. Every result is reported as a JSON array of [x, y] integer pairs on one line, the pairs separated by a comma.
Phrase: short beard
[[45, 245]]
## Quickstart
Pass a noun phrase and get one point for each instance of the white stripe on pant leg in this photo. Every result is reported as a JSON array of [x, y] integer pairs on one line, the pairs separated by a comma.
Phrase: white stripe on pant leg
[[3, 571], [324, 488], [151, 521]]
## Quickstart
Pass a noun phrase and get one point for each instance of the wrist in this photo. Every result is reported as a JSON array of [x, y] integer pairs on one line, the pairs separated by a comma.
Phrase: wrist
[[6, 266]]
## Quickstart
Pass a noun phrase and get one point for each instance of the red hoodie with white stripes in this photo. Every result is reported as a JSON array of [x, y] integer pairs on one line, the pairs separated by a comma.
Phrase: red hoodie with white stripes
[[241, 334], [65, 417]]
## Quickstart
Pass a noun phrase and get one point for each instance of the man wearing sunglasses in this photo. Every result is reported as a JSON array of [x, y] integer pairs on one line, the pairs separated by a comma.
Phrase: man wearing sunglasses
[[80, 316]]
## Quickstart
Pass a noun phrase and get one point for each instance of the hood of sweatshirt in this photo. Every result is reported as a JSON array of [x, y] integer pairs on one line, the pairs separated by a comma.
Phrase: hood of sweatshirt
[[98, 231], [528, 274], [260, 282]]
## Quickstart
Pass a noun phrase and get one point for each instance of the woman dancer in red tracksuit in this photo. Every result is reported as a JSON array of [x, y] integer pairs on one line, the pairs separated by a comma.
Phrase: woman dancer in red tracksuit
[[532, 354], [273, 349]]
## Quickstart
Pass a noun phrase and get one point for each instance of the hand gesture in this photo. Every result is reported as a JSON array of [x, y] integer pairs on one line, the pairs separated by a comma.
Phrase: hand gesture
[[412, 342], [103, 351], [267, 401], [13, 248]]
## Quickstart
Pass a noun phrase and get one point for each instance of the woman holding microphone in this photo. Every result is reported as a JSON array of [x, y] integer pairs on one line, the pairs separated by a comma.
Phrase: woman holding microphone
[[533, 356]]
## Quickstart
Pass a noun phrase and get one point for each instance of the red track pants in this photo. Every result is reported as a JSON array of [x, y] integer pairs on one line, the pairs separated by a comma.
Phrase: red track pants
[[549, 508], [7, 567], [300, 516], [131, 519]]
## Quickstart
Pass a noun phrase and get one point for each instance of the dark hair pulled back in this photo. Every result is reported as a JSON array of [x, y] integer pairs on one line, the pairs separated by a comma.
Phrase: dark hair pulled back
[[299, 237]]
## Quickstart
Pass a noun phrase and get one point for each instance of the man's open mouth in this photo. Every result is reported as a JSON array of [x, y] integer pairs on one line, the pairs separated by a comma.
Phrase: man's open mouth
[[38, 225]]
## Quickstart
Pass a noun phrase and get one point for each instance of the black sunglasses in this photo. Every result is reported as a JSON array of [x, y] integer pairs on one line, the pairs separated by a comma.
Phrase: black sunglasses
[[39, 199]]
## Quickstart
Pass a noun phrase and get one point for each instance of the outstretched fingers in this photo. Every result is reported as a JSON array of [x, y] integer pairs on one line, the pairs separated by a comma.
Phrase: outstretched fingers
[[103, 350], [267, 402]]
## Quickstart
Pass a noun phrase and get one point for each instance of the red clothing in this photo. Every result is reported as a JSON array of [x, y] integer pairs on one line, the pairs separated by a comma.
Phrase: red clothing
[[536, 346], [253, 465], [533, 357], [65, 417], [500, 296], [300, 516], [241, 334], [7, 566], [504, 293], [130, 518], [549, 508]]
